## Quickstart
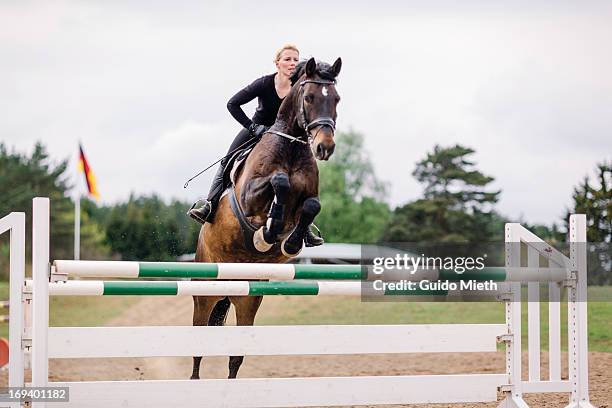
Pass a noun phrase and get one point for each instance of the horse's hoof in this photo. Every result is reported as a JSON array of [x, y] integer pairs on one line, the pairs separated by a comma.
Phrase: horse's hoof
[[292, 250], [259, 242]]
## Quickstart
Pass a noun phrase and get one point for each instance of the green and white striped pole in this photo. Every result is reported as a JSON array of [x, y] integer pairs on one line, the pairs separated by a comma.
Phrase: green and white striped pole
[[286, 272], [221, 271], [224, 288]]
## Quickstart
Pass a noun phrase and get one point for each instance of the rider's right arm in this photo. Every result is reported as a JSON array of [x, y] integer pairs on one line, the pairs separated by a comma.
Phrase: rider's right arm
[[245, 95]]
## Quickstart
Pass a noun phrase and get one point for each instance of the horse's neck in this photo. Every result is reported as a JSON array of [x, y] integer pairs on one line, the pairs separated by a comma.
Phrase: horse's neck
[[289, 149], [286, 150], [286, 122], [286, 119]]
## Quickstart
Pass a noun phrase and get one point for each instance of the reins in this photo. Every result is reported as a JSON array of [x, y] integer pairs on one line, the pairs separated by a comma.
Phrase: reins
[[285, 135]]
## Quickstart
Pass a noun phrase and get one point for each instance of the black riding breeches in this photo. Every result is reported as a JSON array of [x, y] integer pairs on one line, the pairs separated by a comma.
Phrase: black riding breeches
[[241, 138], [217, 185]]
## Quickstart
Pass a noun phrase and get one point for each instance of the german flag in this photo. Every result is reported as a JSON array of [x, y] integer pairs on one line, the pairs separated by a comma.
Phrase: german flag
[[89, 176]]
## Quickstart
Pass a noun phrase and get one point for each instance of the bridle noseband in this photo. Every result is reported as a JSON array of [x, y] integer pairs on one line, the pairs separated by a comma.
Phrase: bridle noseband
[[321, 121]]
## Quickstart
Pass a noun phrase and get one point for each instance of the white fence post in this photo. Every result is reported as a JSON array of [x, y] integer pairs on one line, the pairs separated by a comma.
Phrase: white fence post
[[40, 296], [533, 318], [577, 316], [513, 321], [15, 224]]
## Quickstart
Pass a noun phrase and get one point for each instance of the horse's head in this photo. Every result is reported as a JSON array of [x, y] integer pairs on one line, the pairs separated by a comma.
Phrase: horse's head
[[317, 100]]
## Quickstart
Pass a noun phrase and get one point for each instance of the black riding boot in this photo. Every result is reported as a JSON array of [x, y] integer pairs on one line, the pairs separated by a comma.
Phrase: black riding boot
[[206, 212], [311, 239]]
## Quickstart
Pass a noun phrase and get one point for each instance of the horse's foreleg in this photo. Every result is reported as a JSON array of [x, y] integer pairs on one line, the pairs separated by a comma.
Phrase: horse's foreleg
[[292, 245], [246, 309], [267, 235], [207, 311]]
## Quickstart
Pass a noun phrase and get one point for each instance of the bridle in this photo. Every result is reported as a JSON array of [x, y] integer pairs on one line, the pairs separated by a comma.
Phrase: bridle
[[321, 121], [304, 124]]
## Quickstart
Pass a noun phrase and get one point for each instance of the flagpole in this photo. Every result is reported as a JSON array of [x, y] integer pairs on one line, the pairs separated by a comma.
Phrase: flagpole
[[77, 210], [77, 227]]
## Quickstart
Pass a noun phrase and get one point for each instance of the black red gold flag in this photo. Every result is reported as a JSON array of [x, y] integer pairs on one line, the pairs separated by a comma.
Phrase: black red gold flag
[[92, 187]]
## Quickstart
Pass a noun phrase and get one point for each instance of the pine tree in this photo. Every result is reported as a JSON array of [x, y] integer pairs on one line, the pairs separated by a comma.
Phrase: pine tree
[[456, 206], [595, 200], [352, 197]]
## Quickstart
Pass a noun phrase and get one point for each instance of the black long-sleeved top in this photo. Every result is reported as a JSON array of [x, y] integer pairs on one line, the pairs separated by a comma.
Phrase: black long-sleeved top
[[264, 90]]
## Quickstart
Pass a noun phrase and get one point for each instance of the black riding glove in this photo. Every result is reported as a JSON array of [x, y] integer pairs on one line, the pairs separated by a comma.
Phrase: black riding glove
[[257, 130]]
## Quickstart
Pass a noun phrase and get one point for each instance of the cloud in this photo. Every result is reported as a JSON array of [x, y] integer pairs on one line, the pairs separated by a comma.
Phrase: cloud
[[144, 89], [164, 164]]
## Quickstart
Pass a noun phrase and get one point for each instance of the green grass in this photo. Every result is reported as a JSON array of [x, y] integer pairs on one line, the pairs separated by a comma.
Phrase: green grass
[[77, 310], [87, 310], [600, 319], [335, 310], [345, 310], [95, 311]]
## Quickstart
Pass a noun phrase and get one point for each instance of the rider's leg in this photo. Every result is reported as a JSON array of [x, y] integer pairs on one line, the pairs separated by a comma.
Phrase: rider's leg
[[207, 211], [311, 239]]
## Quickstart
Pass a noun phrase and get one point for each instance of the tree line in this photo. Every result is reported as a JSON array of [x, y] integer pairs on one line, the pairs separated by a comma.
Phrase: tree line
[[457, 207]]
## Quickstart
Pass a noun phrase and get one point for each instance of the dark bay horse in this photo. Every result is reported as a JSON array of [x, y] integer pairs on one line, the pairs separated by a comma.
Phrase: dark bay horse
[[277, 192]]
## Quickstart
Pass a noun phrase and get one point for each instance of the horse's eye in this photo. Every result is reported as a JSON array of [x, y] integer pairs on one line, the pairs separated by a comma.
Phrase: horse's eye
[[309, 98]]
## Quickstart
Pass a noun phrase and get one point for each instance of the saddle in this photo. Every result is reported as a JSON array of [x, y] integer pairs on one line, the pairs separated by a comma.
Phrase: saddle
[[234, 164]]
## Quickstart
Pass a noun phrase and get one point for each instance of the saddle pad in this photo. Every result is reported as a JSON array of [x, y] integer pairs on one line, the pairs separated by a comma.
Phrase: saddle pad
[[237, 162]]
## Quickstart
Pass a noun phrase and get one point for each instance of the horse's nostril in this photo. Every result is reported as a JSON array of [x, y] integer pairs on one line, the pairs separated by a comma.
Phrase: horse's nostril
[[319, 149]]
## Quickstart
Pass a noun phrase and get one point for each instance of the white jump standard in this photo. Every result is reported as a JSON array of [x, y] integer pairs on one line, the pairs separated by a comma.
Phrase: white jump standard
[[30, 330]]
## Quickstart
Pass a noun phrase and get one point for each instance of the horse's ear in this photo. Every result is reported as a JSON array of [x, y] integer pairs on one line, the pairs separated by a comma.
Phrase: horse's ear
[[336, 67], [311, 67]]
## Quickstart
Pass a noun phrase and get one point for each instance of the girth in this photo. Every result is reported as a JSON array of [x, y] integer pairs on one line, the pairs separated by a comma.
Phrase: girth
[[248, 229]]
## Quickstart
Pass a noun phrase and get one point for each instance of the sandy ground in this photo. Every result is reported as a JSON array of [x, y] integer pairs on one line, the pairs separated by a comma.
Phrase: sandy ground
[[177, 311]]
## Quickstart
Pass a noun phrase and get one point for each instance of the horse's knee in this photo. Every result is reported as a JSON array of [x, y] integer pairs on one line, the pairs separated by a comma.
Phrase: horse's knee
[[280, 184], [312, 206], [280, 180]]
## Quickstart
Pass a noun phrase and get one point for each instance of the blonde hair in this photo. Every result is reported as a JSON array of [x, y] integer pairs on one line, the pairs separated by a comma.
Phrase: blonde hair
[[278, 54]]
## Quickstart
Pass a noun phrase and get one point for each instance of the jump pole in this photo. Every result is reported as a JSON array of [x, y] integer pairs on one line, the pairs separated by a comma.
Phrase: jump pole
[[225, 288], [63, 269]]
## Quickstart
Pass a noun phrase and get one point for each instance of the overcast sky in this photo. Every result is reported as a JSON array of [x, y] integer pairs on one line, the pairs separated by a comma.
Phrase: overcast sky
[[144, 86]]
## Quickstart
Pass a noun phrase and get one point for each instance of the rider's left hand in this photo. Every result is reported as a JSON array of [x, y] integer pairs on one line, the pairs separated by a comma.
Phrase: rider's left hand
[[257, 130]]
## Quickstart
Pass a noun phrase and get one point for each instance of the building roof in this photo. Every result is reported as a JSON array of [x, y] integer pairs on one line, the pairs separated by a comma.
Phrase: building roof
[[336, 253]]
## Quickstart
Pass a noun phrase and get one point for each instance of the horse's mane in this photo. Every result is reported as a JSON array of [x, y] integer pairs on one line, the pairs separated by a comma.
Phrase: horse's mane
[[324, 70]]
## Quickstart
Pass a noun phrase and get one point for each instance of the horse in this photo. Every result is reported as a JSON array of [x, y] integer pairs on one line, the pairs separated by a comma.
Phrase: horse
[[266, 213]]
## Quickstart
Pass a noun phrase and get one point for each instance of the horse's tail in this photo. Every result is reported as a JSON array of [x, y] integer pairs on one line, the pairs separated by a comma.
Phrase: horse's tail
[[219, 312]]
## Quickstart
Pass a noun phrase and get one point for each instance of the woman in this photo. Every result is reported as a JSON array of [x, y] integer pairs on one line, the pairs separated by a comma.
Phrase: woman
[[270, 90]]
